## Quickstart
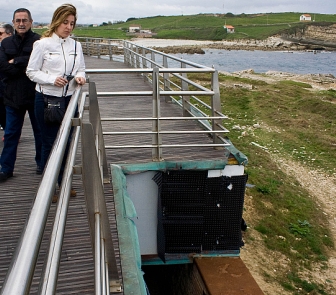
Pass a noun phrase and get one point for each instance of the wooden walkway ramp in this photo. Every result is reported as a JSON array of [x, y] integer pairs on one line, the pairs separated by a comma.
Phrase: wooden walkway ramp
[[76, 275]]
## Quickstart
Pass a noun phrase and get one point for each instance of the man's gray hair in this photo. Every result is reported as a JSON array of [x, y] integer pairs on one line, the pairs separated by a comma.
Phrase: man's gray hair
[[9, 30], [23, 10]]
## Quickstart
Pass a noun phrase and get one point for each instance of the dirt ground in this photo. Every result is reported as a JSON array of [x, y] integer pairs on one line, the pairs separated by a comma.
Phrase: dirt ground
[[320, 187], [323, 189]]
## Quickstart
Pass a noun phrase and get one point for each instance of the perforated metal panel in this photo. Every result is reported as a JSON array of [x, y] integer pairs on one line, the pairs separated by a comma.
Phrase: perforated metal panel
[[197, 213]]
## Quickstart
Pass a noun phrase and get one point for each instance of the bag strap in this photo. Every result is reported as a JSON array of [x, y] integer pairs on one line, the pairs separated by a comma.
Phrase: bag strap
[[67, 86], [74, 57], [73, 65]]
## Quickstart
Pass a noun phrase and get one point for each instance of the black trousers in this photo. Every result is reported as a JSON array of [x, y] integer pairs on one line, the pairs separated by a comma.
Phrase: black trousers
[[2, 113]]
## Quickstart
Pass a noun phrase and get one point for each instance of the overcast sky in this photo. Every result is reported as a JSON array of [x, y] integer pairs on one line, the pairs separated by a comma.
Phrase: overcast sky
[[99, 11]]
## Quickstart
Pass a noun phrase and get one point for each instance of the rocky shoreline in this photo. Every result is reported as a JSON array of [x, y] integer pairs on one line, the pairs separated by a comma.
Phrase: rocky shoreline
[[317, 81], [191, 47]]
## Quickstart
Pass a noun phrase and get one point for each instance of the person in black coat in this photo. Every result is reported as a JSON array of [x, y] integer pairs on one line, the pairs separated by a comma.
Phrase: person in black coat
[[19, 94], [6, 30]]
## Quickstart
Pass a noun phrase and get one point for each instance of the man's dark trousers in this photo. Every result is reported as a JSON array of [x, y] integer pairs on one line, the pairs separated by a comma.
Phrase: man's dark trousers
[[14, 122]]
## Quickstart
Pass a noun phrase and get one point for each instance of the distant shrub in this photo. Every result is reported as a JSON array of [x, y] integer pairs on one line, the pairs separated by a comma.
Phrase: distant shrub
[[229, 14], [131, 19]]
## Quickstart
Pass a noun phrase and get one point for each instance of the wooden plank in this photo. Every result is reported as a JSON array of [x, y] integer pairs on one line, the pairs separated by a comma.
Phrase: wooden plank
[[227, 276]]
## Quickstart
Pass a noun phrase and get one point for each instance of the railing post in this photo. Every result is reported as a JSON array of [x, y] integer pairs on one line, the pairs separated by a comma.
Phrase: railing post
[[87, 48], [166, 82], [215, 106], [152, 59], [132, 62], [185, 99], [156, 126], [110, 49], [98, 50], [96, 206], [126, 52], [144, 63], [137, 58], [94, 117]]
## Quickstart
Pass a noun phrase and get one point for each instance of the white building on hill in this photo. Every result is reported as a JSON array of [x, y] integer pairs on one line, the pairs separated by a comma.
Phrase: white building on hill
[[305, 17], [229, 29]]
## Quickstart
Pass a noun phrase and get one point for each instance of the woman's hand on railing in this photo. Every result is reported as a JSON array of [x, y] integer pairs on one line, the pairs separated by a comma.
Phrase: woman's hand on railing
[[80, 80]]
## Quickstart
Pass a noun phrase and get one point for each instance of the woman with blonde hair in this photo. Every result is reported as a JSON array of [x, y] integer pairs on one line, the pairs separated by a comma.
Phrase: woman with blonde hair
[[57, 66]]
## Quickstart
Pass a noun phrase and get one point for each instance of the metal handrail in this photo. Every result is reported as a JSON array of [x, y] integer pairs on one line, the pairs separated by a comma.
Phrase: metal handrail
[[132, 49], [20, 274], [215, 129], [94, 171]]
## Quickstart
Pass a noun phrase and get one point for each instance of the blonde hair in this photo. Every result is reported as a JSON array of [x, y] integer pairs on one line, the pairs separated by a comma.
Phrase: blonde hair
[[59, 16]]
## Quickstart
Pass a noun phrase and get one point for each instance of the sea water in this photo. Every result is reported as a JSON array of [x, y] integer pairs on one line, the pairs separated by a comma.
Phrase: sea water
[[297, 62]]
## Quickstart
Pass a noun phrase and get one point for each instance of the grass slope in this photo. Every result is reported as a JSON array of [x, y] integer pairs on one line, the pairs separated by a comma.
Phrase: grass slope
[[297, 124], [205, 26]]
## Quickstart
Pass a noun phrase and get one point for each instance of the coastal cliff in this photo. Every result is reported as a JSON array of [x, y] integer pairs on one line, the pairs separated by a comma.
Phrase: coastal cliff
[[313, 36], [322, 35]]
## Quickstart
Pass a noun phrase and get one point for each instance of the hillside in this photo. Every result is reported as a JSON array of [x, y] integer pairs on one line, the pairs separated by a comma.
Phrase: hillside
[[210, 26], [285, 124]]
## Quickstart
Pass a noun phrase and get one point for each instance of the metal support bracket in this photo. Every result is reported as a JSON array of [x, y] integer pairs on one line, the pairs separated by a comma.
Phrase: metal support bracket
[[115, 287]]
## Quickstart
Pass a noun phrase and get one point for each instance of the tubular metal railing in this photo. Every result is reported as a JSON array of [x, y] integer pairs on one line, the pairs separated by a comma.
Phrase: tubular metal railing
[[171, 83], [174, 85], [111, 48], [94, 172]]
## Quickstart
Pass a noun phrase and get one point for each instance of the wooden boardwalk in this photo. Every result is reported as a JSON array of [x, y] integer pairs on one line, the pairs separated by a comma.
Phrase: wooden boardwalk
[[76, 275]]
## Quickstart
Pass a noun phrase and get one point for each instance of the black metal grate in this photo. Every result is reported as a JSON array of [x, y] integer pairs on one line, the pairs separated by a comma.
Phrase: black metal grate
[[197, 213]]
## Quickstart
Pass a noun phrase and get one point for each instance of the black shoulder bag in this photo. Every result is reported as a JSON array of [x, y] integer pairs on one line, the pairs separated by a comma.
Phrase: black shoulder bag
[[54, 107]]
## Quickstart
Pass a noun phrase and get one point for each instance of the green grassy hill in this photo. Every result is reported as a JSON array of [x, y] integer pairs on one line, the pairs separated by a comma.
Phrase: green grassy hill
[[206, 26]]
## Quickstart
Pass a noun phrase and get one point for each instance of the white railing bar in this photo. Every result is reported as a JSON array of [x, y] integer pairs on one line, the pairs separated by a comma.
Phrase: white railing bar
[[103, 267], [201, 102], [162, 92], [100, 39], [206, 126], [97, 261], [149, 70], [209, 107], [125, 93], [192, 83], [168, 146], [147, 59], [167, 55], [164, 132], [174, 84], [162, 118], [222, 127]]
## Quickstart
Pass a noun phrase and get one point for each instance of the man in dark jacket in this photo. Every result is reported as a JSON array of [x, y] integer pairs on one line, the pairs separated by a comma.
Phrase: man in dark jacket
[[6, 30], [19, 93]]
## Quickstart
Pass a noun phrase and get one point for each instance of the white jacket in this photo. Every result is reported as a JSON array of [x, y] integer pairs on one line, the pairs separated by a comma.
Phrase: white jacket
[[54, 57]]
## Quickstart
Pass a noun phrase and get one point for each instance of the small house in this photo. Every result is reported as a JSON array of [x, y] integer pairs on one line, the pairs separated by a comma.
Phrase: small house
[[229, 29], [305, 17], [134, 28]]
